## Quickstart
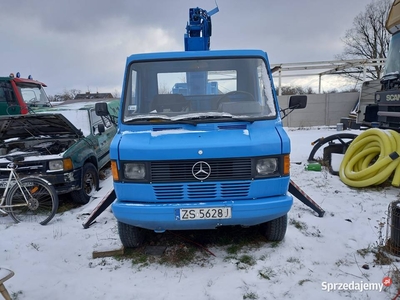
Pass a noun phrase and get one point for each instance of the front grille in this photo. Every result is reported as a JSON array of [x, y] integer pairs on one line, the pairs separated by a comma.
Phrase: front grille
[[205, 191], [24, 168], [181, 170], [229, 190], [170, 192], [208, 191]]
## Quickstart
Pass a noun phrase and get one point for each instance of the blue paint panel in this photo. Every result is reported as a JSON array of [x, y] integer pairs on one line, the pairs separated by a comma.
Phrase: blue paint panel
[[259, 139], [156, 206], [160, 217]]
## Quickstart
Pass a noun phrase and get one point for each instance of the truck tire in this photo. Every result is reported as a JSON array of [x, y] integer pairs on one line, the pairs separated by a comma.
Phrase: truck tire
[[130, 236], [90, 183], [275, 230]]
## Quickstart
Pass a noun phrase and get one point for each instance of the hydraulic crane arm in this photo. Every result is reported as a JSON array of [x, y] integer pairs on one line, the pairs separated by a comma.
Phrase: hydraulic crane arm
[[198, 29]]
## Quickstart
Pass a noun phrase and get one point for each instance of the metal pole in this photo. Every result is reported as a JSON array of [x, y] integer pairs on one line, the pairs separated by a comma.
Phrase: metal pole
[[280, 83], [319, 84], [364, 73]]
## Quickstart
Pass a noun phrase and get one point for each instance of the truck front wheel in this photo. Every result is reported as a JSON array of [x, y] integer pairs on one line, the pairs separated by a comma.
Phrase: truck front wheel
[[275, 230], [131, 236], [90, 183]]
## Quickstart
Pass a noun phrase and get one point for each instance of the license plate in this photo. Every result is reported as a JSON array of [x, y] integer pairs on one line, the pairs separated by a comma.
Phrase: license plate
[[186, 214], [3, 184]]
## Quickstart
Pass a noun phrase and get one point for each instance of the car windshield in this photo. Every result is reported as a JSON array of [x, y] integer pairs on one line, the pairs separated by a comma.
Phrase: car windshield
[[393, 59], [206, 90], [79, 118], [33, 94]]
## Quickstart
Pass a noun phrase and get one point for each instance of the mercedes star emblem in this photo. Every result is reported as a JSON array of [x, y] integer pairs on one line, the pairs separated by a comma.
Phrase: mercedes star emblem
[[201, 170]]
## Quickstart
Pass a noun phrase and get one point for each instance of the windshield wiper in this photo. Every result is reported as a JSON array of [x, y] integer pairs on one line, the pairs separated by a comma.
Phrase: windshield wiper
[[212, 116], [160, 119], [390, 80], [390, 76]]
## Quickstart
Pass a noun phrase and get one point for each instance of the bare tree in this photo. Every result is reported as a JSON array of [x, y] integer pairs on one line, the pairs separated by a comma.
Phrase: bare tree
[[67, 95], [74, 92], [295, 90], [116, 94], [368, 38], [345, 90]]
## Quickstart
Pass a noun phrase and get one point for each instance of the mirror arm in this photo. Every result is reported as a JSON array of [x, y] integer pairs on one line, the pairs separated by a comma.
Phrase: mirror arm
[[111, 118], [285, 113]]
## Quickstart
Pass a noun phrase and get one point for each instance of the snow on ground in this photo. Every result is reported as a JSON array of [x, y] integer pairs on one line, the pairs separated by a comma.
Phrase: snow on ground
[[55, 261]]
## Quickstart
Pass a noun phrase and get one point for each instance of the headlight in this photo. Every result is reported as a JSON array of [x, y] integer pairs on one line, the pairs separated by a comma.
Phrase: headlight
[[267, 166], [134, 170], [55, 165]]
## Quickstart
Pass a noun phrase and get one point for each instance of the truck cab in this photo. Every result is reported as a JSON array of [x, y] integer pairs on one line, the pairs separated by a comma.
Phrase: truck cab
[[384, 111], [200, 144], [21, 95]]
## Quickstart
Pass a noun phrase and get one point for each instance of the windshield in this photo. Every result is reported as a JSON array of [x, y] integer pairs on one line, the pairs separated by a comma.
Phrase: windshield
[[198, 89], [33, 94], [79, 118], [393, 58]]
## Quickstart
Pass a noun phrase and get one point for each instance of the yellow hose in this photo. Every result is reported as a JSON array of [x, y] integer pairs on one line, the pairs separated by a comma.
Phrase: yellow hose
[[371, 159]]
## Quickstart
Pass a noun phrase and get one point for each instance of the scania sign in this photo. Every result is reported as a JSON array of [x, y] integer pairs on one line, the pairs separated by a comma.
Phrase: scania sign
[[387, 97], [392, 97]]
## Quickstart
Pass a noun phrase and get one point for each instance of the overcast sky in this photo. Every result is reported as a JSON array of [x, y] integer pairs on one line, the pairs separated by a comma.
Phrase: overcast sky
[[83, 45]]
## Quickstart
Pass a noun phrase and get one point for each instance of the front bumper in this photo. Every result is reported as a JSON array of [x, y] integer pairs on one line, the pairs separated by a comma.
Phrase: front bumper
[[163, 216], [63, 182]]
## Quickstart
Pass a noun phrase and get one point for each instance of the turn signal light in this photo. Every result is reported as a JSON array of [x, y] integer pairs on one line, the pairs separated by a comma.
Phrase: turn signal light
[[67, 164], [286, 164], [114, 170]]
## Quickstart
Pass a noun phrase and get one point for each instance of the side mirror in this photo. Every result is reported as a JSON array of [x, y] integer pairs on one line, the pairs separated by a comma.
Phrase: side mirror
[[101, 128], [101, 109], [298, 102], [295, 102]]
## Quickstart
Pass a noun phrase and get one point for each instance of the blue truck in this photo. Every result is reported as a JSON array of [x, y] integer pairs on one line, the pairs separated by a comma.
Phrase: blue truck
[[200, 142]]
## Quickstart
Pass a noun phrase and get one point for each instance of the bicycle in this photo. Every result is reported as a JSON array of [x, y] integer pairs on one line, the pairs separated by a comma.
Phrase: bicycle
[[30, 198]]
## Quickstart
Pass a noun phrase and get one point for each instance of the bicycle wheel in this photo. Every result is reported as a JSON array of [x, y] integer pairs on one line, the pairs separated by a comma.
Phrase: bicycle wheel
[[37, 200]]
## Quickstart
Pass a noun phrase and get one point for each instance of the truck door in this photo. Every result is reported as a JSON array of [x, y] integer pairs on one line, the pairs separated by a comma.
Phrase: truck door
[[8, 101], [102, 139]]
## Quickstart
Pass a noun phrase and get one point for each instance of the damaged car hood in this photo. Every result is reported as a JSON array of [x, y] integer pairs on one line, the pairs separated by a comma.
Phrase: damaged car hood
[[34, 125]]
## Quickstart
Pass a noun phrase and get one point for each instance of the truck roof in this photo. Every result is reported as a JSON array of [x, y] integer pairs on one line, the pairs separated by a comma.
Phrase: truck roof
[[198, 54], [393, 19], [75, 104], [23, 80]]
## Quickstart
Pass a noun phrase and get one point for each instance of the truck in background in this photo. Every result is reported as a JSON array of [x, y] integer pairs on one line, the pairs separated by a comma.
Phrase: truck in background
[[21, 95], [200, 142], [384, 110], [379, 101]]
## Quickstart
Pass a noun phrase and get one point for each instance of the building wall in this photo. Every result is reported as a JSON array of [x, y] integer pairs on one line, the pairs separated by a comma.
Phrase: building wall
[[322, 109]]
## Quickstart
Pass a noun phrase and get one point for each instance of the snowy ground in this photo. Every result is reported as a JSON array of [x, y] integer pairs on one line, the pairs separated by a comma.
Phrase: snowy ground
[[55, 261]]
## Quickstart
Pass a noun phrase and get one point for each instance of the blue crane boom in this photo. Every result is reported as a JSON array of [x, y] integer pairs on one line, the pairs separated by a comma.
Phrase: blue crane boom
[[198, 29]]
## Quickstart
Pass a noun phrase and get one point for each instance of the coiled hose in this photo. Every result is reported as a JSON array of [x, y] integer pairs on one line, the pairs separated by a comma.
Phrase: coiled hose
[[371, 159]]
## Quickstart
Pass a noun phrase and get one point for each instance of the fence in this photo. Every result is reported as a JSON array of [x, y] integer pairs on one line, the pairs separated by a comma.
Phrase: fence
[[322, 109]]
